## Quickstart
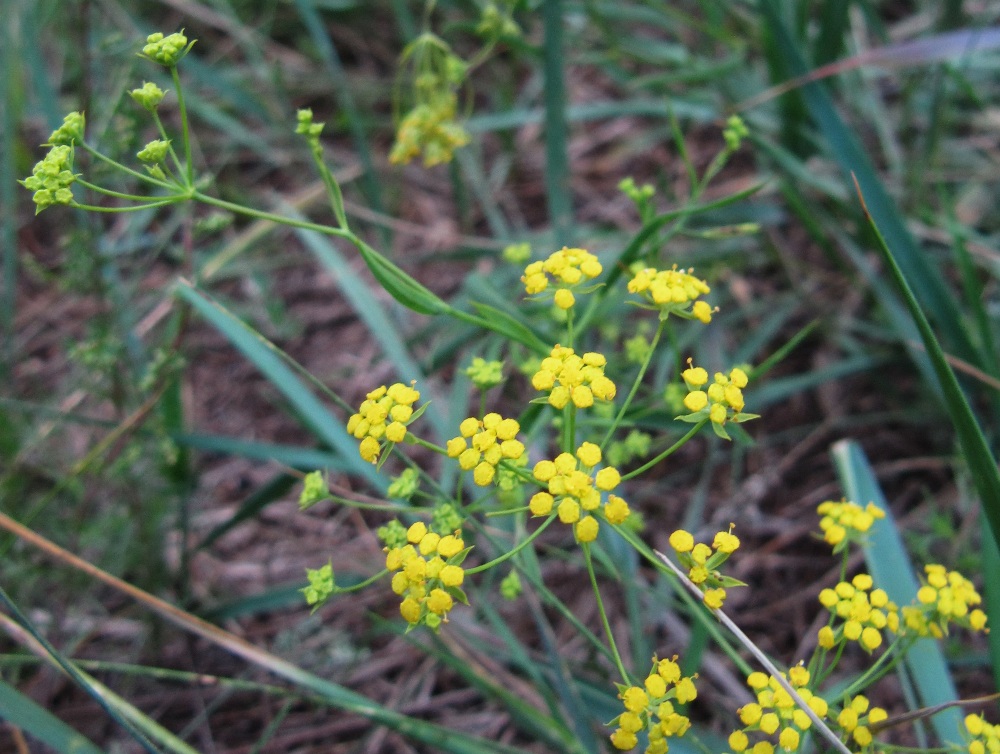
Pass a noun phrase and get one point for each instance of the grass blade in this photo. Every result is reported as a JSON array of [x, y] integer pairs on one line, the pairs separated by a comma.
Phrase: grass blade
[[41, 724], [263, 354], [975, 449], [846, 149], [891, 569]]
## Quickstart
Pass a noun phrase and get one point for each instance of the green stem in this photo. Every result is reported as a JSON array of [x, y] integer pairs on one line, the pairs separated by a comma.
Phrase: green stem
[[163, 135], [604, 615], [275, 218], [128, 197], [127, 170], [111, 210], [414, 440], [360, 585], [511, 553], [185, 132], [668, 452], [635, 385]]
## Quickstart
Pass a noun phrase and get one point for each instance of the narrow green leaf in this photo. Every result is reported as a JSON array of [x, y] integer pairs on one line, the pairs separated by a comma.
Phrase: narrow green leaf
[[41, 724], [847, 150], [501, 322], [401, 286], [891, 569], [975, 449], [263, 354]]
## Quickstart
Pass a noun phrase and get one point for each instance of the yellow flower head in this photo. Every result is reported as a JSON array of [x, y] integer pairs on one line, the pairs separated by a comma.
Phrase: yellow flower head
[[858, 613], [946, 598], [775, 713], [846, 522], [383, 416], [568, 377], [673, 291], [721, 401], [575, 494], [424, 576], [651, 706], [483, 445], [564, 269]]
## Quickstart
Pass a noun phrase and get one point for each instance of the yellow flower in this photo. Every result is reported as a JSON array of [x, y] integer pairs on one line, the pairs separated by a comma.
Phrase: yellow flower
[[492, 442], [370, 424], [673, 291], [682, 541], [566, 376]]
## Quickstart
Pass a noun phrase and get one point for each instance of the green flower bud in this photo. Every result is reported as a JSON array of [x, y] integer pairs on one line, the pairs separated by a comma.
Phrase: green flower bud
[[167, 51], [314, 489], [306, 127], [393, 534], [485, 374], [517, 253], [445, 519], [510, 587], [154, 152], [149, 95], [51, 178], [734, 132], [321, 585], [70, 132], [405, 485]]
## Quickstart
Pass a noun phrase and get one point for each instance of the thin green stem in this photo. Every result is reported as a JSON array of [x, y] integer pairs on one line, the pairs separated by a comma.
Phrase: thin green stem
[[185, 132], [668, 452], [163, 135], [361, 584], [603, 613], [112, 210], [635, 385], [275, 218], [128, 197], [125, 169], [511, 553]]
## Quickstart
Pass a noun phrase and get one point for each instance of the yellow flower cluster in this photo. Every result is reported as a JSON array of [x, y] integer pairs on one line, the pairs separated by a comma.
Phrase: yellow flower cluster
[[575, 494], [985, 736], [383, 415], [569, 377], [857, 716], [431, 128], [723, 399], [776, 712], [703, 563], [492, 440], [427, 574], [866, 612], [945, 598], [651, 706], [567, 268], [673, 291], [845, 522]]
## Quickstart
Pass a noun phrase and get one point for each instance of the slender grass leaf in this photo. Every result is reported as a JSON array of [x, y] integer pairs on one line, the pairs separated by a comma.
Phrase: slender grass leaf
[[849, 154], [892, 570], [975, 449], [41, 724], [255, 347]]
